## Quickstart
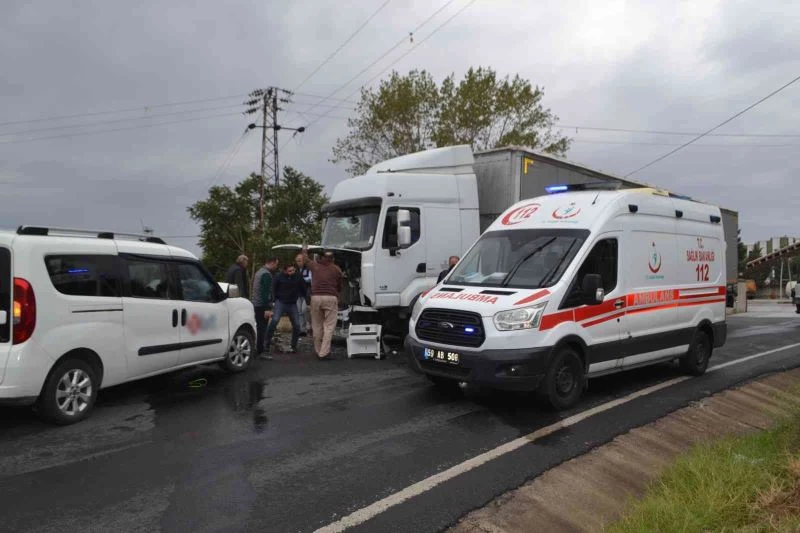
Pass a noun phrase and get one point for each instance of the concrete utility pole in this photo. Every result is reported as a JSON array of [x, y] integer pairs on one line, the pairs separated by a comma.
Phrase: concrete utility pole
[[266, 101]]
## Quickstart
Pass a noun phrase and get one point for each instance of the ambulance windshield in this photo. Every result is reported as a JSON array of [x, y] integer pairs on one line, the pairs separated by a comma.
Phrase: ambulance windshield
[[523, 259]]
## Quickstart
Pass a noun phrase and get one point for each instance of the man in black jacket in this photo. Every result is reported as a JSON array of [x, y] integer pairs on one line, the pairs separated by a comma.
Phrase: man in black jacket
[[453, 261], [237, 275], [287, 288]]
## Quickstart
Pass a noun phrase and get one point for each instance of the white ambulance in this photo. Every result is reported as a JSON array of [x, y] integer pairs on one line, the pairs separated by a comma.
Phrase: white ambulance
[[586, 281]]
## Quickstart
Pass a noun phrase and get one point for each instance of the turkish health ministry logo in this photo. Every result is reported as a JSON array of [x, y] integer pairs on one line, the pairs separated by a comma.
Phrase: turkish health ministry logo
[[655, 260], [565, 212]]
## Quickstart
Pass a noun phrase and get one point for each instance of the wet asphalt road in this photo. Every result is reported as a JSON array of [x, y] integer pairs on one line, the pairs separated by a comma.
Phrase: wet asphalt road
[[295, 444]]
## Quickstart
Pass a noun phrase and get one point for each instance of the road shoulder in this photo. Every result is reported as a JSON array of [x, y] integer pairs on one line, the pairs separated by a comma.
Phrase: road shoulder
[[591, 490]]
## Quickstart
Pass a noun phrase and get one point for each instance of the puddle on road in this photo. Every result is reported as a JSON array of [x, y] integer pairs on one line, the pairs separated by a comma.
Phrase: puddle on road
[[244, 397]]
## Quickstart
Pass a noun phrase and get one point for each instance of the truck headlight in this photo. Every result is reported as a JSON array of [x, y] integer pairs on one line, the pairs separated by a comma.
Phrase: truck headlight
[[522, 318]]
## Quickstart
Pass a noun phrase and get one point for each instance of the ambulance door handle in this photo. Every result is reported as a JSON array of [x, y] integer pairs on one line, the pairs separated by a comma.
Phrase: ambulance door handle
[[619, 304]]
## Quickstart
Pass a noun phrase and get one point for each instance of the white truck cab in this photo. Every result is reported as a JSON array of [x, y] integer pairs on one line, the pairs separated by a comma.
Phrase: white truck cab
[[84, 310], [584, 281]]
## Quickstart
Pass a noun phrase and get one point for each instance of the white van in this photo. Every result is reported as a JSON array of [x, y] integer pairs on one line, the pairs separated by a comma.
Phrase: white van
[[80, 311], [582, 282]]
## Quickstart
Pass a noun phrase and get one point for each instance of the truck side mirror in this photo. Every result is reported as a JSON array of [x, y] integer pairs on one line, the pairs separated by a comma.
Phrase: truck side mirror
[[3, 318], [592, 289], [233, 291], [403, 228]]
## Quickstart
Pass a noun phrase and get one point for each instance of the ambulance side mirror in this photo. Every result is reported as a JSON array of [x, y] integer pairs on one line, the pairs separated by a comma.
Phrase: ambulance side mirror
[[592, 289]]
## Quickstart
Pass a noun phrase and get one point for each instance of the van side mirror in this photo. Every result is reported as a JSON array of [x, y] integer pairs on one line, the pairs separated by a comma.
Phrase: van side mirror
[[592, 289], [3, 318], [403, 228], [233, 291]]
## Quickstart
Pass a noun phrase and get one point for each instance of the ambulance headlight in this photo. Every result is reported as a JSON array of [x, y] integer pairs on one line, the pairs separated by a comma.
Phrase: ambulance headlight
[[522, 318]]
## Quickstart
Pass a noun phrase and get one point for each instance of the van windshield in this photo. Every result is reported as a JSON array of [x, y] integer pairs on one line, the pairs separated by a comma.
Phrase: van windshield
[[523, 259]]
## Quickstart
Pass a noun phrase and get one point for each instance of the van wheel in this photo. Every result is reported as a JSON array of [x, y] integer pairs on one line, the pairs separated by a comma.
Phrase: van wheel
[[564, 380], [240, 352], [69, 394], [695, 361]]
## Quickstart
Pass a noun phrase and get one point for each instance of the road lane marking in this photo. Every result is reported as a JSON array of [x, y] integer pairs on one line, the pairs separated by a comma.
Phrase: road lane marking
[[366, 513]]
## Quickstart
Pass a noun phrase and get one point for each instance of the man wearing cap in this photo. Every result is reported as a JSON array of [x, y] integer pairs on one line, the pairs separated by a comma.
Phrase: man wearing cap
[[326, 284]]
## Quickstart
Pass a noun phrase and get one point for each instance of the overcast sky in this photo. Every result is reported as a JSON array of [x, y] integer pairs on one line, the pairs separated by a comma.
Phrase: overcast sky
[[673, 66]]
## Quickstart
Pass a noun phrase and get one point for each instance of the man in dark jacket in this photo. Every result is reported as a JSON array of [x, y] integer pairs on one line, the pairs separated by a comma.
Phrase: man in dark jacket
[[237, 275], [287, 288], [453, 261]]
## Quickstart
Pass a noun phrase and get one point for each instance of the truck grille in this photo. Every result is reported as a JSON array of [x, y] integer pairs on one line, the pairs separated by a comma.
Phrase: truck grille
[[453, 328]]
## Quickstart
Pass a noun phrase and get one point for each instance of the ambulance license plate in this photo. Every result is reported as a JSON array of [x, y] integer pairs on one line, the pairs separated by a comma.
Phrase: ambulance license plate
[[442, 356]]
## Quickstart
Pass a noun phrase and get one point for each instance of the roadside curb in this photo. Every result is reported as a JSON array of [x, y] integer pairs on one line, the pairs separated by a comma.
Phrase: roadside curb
[[591, 490]]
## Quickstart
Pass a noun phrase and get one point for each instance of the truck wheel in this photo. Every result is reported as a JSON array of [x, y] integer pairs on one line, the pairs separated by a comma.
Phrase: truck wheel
[[69, 393], [565, 379], [695, 361], [240, 352]]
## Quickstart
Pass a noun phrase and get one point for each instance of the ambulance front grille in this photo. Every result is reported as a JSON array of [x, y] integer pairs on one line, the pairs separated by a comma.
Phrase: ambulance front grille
[[450, 327]]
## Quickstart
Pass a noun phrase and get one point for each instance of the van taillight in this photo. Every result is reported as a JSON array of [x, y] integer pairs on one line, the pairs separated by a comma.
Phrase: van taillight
[[24, 310]]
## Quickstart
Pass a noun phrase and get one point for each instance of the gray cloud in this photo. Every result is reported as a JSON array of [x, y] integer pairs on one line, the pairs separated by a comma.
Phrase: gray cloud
[[662, 66]]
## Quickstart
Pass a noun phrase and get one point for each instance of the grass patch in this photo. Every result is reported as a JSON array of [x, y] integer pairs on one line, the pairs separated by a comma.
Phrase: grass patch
[[748, 483]]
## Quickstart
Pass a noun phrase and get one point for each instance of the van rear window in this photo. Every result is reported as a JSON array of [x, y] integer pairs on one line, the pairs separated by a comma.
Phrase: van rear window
[[85, 275], [5, 293]]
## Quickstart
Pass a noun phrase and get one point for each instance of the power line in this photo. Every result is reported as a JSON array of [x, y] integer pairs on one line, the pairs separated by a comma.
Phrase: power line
[[352, 36], [442, 25], [115, 121], [226, 163], [392, 49], [662, 132], [743, 111], [145, 108], [321, 97], [143, 126], [743, 145], [126, 110]]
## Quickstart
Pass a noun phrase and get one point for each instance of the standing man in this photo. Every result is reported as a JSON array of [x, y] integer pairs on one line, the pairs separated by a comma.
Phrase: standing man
[[302, 304], [237, 275], [287, 289], [453, 261], [262, 302], [326, 284]]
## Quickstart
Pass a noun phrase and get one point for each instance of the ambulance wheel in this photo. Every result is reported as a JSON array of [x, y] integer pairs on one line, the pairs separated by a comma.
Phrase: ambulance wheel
[[695, 361], [565, 379]]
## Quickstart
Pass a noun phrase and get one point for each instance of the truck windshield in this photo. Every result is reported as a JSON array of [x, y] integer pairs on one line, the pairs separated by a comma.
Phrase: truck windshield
[[351, 228], [523, 259]]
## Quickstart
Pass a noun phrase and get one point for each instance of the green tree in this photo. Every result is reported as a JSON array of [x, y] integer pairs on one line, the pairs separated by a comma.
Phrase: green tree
[[755, 252], [410, 113], [742, 249], [398, 118], [228, 219]]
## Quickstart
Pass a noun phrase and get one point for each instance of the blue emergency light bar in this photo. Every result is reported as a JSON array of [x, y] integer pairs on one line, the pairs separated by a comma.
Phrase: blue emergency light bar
[[591, 186]]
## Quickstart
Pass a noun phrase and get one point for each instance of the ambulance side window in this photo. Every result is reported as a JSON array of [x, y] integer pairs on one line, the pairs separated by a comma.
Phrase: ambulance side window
[[603, 260]]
